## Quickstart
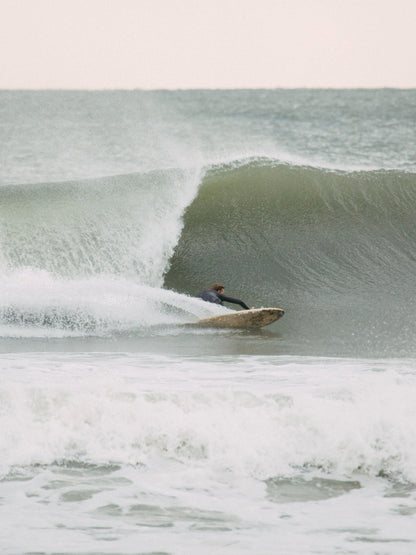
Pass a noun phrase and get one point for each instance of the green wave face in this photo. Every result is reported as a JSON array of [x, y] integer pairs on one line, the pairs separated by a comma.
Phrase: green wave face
[[302, 230], [335, 249]]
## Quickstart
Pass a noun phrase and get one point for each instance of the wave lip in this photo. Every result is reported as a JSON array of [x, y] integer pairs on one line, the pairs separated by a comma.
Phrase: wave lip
[[122, 225]]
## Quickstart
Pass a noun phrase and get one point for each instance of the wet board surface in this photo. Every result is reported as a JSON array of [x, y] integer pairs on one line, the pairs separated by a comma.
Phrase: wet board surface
[[255, 318]]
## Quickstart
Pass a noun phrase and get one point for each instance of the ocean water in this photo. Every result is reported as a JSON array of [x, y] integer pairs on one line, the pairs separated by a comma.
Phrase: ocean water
[[123, 430]]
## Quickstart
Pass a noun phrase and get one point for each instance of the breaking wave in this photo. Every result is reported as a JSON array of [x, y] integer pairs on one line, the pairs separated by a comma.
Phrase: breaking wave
[[334, 248]]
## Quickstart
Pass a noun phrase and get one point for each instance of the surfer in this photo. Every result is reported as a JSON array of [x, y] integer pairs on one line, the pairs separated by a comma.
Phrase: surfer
[[216, 295]]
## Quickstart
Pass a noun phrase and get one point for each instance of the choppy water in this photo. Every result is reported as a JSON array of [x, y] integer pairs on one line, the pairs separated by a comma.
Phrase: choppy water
[[124, 431]]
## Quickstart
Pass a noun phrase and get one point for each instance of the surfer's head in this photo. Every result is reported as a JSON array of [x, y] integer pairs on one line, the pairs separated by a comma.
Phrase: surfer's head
[[217, 287]]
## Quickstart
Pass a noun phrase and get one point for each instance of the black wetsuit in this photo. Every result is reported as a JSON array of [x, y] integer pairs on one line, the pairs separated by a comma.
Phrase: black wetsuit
[[213, 296]]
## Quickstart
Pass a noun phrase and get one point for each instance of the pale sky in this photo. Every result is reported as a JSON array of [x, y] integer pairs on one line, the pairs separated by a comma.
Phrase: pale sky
[[179, 44]]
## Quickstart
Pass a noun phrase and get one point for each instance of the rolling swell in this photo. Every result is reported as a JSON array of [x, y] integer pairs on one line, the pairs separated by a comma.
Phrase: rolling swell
[[306, 239]]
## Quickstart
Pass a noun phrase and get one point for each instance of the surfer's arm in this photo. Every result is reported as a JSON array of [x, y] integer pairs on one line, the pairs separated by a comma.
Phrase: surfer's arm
[[231, 300]]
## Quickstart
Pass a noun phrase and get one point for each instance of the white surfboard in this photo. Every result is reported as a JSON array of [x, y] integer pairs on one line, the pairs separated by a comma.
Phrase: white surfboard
[[254, 318]]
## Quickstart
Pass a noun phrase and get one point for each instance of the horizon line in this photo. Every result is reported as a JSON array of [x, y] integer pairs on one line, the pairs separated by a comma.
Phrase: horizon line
[[178, 89]]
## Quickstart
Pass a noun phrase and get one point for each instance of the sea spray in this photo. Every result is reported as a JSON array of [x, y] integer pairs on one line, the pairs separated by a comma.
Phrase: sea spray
[[36, 302], [126, 225]]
